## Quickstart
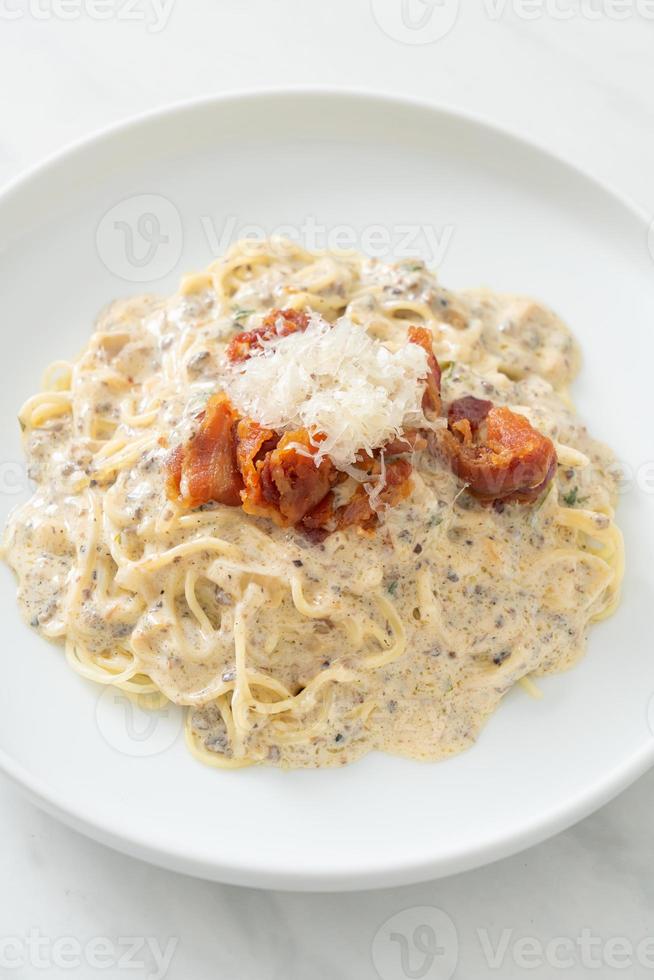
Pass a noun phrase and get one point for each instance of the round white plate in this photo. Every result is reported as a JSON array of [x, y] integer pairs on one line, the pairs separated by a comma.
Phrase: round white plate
[[133, 209]]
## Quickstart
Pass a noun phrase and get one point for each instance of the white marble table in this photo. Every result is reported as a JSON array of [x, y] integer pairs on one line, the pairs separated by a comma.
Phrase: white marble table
[[583, 84]]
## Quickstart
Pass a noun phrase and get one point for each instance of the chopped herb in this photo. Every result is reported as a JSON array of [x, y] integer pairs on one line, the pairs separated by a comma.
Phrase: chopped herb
[[434, 520], [240, 314], [572, 497], [392, 588], [298, 563], [22, 425]]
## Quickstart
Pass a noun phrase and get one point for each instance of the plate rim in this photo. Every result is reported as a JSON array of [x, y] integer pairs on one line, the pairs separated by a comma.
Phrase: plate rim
[[391, 872]]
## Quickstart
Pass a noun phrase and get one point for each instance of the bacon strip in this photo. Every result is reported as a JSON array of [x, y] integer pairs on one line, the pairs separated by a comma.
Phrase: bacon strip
[[397, 486], [252, 444], [497, 452], [291, 483], [431, 400], [206, 468], [468, 409], [320, 521], [411, 441], [279, 323]]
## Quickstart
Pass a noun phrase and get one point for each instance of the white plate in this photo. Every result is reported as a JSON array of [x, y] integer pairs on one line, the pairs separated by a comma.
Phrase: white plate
[[520, 220]]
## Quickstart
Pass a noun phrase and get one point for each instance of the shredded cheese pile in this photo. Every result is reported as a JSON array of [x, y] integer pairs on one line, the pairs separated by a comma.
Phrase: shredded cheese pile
[[333, 379]]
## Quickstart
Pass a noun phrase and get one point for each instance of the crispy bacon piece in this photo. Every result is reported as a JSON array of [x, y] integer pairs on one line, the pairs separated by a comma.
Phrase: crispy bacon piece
[[320, 521], [357, 512], [322, 514], [431, 400], [205, 469], [253, 441], [279, 323], [470, 409], [411, 441], [397, 486], [288, 484], [497, 452]]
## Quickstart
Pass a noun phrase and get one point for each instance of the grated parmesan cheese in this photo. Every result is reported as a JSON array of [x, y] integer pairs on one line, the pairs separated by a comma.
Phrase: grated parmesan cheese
[[333, 379]]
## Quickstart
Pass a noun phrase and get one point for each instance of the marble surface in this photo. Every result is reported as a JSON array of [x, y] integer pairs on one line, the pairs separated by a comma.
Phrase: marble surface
[[578, 77]]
